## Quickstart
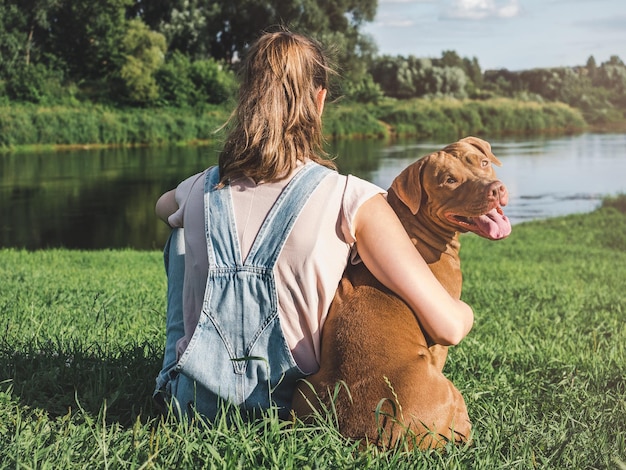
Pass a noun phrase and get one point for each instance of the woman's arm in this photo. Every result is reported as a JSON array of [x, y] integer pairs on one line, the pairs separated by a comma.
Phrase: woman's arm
[[388, 253], [166, 205]]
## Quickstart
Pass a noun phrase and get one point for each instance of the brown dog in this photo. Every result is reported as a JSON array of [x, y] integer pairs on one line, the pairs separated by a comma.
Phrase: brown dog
[[372, 341]]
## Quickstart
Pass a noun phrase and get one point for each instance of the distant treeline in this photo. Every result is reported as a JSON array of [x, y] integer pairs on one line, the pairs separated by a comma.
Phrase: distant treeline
[[599, 91], [183, 54]]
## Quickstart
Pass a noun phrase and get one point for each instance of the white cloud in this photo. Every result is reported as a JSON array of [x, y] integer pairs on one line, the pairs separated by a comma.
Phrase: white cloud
[[481, 9]]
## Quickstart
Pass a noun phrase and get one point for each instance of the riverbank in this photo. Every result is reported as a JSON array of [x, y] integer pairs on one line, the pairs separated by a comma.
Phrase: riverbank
[[543, 370], [24, 128]]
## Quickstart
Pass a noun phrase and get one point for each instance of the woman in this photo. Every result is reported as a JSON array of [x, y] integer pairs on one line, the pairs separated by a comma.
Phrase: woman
[[267, 235]]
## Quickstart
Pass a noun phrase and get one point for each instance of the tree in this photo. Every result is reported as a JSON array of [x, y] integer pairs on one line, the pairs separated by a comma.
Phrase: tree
[[612, 76], [144, 52], [223, 29], [453, 81], [187, 27], [450, 59], [384, 73], [615, 60], [591, 67], [20, 20], [39, 13], [473, 71], [471, 68], [185, 83], [413, 77], [87, 37], [13, 34], [27, 71]]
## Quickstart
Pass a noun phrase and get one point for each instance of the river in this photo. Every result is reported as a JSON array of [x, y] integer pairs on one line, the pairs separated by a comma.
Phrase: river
[[96, 199]]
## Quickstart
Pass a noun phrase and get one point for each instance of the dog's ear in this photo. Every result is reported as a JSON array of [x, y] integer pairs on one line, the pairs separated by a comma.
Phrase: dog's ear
[[408, 185], [483, 146]]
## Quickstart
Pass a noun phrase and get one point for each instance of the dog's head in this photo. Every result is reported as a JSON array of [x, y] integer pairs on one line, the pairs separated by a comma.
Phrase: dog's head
[[457, 189]]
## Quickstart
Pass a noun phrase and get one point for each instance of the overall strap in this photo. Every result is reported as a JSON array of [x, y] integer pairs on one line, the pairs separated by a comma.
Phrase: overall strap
[[280, 220], [221, 234]]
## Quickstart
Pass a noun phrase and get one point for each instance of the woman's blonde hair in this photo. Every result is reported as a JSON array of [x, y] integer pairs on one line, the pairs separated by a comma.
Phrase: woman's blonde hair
[[277, 121]]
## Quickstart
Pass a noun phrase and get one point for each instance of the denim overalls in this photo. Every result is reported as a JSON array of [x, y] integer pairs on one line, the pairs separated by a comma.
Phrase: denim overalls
[[238, 351], [174, 260]]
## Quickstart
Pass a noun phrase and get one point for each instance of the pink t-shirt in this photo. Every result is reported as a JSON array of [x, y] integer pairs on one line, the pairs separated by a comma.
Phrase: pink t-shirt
[[309, 267]]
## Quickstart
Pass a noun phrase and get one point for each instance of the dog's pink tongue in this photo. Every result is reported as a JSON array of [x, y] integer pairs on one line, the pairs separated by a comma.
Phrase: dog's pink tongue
[[493, 225]]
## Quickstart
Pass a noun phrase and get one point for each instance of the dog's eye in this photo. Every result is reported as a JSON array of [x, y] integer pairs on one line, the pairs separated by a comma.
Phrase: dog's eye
[[484, 163], [451, 180]]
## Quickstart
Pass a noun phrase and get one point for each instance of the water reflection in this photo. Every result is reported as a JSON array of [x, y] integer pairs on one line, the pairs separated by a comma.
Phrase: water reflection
[[95, 199], [91, 198]]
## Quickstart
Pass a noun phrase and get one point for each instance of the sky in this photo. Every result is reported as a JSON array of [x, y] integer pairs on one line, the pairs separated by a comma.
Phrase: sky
[[510, 34]]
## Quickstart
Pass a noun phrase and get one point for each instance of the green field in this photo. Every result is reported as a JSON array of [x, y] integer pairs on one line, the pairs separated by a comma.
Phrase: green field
[[543, 371]]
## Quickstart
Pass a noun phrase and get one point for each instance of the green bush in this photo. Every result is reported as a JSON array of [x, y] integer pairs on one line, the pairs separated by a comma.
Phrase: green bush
[[36, 84], [426, 118], [616, 202], [184, 83], [364, 91], [173, 78], [213, 83], [352, 120]]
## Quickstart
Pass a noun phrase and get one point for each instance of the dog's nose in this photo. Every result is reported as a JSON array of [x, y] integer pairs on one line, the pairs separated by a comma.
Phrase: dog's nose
[[497, 191]]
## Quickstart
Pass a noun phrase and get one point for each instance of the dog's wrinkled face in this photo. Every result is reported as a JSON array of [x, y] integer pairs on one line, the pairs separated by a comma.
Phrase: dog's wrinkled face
[[459, 189]]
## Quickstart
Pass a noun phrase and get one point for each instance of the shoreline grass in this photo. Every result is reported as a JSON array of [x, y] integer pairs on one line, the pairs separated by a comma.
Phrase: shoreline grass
[[29, 127], [543, 371]]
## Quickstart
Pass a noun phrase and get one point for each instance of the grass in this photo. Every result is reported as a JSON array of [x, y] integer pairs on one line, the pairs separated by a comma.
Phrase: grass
[[543, 371], [24, 127]]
